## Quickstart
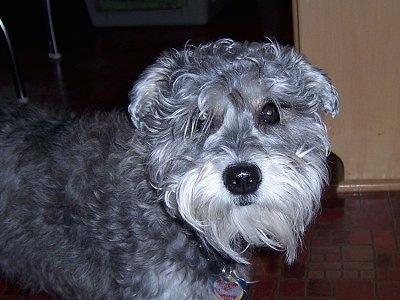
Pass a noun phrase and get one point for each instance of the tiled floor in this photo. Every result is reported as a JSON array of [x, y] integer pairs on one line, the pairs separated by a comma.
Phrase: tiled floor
[[352, 251]]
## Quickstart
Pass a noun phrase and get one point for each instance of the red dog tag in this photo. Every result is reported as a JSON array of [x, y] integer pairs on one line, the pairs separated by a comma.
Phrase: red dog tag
[[228, 289]]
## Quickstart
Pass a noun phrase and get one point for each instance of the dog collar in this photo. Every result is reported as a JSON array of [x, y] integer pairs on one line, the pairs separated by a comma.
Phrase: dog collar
[[229, 286], [226, 284]]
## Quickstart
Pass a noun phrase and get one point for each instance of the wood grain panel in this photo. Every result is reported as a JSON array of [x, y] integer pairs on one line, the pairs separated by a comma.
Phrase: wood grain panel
[[358, 44]]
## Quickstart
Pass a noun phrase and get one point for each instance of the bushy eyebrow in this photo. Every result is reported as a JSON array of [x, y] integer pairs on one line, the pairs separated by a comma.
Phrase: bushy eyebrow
[[237, 100]]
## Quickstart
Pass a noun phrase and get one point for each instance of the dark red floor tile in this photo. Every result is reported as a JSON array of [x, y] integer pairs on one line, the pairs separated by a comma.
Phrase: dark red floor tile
[[354, 289], [267, 264], [319, 288], [392, 275], [357, 253], [383, 261], [296, 270], [266, 289], [351, 274], [370, 221], [340, 237], [331, 216], [388, 290], [353, 205], [384, 240], [332, 257], [293, 288], [397, 261], [358, 265], [360, 237], [333, 201]]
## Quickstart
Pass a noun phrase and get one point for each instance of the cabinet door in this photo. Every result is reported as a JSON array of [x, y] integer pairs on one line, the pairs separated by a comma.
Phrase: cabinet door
[[358, 44]]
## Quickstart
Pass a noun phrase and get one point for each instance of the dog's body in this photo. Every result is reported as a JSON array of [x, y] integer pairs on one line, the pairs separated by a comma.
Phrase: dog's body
[[86, 225], [227, 153]]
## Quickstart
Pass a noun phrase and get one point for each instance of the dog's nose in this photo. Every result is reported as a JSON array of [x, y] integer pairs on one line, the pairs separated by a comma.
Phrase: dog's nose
[[242, 178]]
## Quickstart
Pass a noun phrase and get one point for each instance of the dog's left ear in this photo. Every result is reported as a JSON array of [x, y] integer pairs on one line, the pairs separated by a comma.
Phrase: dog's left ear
[[317, 82], [328, 95]]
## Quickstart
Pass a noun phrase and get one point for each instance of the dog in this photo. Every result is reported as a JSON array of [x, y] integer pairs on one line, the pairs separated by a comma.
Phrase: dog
[[223, 151]]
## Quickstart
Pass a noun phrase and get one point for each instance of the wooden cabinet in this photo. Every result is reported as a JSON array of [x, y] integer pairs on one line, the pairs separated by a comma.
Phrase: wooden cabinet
[[358, 44]]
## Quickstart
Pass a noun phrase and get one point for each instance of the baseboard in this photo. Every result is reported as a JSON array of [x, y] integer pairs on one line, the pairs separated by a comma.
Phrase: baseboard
[[370, 185]]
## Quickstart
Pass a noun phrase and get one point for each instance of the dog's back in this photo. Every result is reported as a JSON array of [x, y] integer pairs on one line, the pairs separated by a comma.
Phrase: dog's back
[[54, 165]]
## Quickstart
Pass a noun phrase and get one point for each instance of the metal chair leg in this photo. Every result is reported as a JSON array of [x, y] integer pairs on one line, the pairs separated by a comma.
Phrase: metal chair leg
[[53, 54], [19, 86]]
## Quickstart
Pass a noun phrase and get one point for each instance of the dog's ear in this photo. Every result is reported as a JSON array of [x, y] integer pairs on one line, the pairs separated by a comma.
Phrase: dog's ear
[[327, 94], [319, 84], [332, 102], [146, 92]]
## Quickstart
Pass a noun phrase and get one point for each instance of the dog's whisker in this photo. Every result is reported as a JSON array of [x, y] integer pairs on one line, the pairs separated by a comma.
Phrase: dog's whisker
[[301, 153]]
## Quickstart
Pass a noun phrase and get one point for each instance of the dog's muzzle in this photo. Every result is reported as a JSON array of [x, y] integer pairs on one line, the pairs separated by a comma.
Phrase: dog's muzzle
[[242, 179]]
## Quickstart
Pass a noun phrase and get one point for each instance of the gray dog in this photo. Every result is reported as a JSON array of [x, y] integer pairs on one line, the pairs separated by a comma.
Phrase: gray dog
[[226, 153]]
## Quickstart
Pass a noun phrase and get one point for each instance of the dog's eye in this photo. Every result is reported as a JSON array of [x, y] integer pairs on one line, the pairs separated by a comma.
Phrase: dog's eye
[[203, 117], [270, 113], [202, 121]]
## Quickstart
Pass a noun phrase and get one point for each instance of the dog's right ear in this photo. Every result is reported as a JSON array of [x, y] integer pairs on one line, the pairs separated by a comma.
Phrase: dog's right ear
[[147, 92]]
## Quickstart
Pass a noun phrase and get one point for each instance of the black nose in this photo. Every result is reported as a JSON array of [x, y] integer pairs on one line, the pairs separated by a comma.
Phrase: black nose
[[242, 178]]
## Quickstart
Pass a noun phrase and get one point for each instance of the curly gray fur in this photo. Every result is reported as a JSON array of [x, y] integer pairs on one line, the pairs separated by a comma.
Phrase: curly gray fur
[[92, 207]]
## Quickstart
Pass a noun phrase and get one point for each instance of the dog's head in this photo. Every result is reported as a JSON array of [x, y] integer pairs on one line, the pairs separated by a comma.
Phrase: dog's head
[[236, 144]]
